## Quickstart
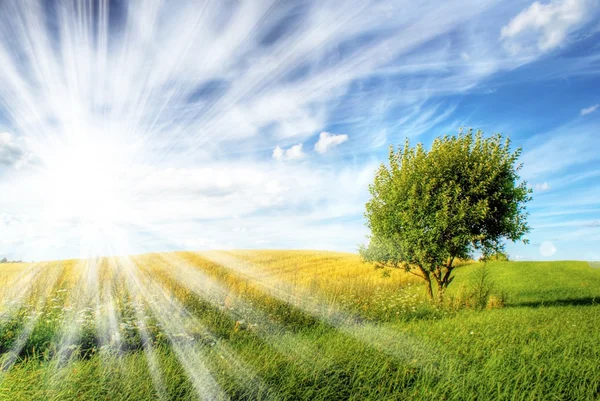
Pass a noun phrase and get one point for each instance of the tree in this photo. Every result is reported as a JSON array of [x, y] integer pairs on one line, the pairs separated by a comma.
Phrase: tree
[[431, 208]]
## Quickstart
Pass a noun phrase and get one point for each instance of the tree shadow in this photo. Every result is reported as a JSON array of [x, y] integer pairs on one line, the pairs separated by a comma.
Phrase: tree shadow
[[585, 301]]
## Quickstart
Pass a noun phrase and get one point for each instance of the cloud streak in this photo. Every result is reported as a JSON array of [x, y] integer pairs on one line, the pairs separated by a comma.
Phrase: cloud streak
[[588, 110]]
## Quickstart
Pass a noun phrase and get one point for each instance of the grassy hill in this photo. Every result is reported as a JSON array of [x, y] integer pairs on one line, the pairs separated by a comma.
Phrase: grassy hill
[[293, 325]]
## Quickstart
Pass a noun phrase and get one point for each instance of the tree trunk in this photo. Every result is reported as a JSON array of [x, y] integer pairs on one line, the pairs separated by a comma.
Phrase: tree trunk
[[440, 292], [443, 280], [428, 285]]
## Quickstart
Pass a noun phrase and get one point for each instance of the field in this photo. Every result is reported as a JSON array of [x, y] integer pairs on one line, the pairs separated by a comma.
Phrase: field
[[295, 325]]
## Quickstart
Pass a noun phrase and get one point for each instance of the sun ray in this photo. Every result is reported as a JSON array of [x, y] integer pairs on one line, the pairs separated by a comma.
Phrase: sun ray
[[39, 303], [20, 290], [184, 330], [141, 322], [107, 318], [170, 316], [79, 312], [388, 341], [265, 327]]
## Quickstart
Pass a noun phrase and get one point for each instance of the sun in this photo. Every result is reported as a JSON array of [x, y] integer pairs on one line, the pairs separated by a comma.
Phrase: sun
[[84, 180]]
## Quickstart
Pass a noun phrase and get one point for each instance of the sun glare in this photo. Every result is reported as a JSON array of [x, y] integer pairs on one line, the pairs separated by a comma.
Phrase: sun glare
[[84, 181]]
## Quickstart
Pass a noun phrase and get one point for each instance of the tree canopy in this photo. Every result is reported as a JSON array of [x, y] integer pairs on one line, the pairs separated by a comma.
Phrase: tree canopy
[[430, 208]]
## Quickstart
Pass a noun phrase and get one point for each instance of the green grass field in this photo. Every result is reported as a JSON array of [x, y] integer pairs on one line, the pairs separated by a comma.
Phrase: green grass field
[[294, 325]]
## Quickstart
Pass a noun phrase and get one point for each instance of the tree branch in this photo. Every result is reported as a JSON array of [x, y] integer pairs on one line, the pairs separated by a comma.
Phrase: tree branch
[[416, 274], [437, 274], [446, 280]]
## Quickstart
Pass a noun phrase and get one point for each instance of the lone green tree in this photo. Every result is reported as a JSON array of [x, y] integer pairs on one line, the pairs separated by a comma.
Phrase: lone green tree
[[432, 208]]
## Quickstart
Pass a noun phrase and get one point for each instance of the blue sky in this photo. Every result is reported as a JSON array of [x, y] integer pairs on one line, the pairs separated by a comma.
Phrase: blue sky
[[259, 124]]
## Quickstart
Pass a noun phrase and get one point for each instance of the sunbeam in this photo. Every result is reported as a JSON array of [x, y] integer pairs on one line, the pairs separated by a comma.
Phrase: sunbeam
[[39, 301], [171, 316]]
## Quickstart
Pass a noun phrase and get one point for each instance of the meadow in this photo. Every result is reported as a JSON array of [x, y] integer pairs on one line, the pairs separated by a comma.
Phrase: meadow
[[295, 325]]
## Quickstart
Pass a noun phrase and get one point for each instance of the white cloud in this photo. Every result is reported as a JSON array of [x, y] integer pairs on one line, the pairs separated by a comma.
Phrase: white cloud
[[292, 153], [10, 152], [589, 110], [328, 141], [278, 153], [295, 152], [230, 204], [542, 187], [543, 27]]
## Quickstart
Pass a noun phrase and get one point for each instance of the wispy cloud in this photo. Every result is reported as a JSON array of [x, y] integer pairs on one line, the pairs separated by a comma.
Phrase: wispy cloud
[[589, 110], [559, 151]]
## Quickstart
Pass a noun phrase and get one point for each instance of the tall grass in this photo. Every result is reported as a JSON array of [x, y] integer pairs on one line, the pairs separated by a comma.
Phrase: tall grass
[[296, 325]]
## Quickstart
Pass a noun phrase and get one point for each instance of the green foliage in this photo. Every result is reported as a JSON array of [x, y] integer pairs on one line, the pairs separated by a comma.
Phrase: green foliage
[[496, 257], [429, 208]]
